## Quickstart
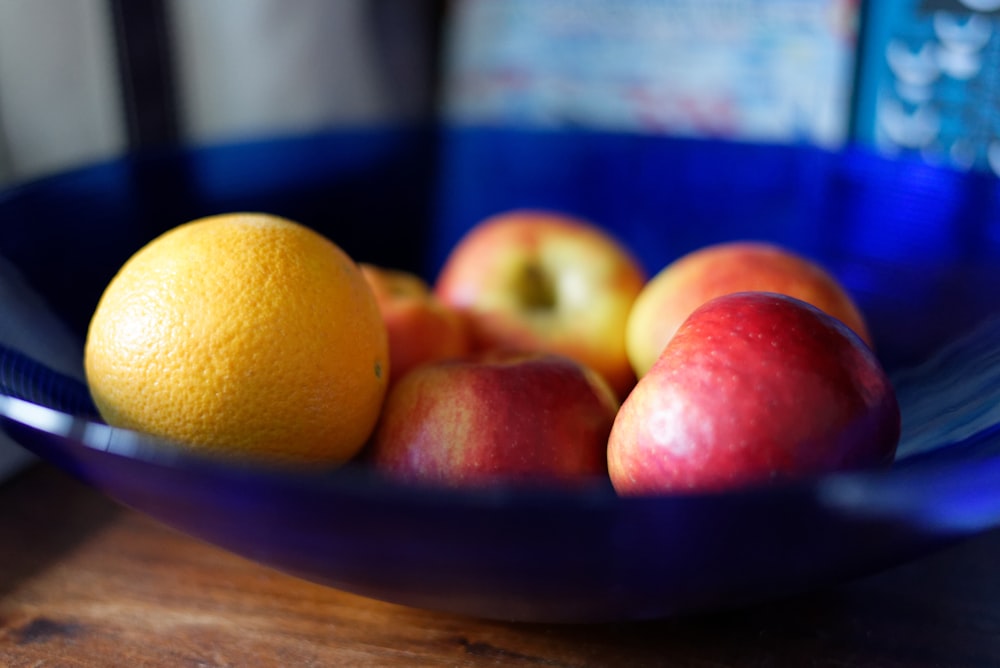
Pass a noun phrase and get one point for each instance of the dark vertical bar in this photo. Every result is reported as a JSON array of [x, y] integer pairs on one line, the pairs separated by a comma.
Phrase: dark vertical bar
[[858, 71], [421, 22], [437, 22], [145, 68]]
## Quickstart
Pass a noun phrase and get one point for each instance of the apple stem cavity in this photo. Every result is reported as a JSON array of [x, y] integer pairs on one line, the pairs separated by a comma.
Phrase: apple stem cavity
[[535, 288]]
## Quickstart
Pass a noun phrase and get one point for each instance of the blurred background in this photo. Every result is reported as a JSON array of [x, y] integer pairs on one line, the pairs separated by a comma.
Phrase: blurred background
[[85, 80]]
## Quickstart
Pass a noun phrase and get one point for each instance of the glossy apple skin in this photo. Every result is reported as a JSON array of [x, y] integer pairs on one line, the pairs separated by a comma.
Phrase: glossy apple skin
[[496, 419], [753, 388], [541, 281], [738, 266], [421, 329]]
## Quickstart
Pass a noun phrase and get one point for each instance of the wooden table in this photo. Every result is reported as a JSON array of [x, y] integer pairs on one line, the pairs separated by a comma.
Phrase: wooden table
[[85, 582]]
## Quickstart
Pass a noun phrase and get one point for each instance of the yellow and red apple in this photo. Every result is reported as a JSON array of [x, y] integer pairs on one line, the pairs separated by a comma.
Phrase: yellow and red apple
[[753, 388], [544, 281], [712, 271], [420, 327], [496, 419]]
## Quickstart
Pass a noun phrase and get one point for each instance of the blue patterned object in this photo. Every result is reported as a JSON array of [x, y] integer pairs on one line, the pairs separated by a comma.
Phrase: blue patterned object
[[929, 81], [918, 246]]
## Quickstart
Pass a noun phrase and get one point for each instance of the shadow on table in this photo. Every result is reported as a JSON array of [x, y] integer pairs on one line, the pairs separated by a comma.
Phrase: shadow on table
[[44, 515], [939, 611]]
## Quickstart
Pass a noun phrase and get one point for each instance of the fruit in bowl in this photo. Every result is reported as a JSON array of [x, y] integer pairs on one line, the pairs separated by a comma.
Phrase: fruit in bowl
[[753, 388], [496, 418], [253, 335], [545, 281], [244, 334], [712, 271], [420, 327]]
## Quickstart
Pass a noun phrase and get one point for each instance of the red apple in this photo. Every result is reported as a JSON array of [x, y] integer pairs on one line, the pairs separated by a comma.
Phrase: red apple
[[499, 418], [738, 266], [420, 327], [539, 281], [754, 387]]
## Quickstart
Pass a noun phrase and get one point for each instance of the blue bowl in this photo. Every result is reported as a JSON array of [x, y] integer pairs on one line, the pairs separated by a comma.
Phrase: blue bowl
[[918, 246]]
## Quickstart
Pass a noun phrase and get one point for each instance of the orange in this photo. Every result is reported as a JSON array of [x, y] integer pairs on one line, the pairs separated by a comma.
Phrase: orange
[[244, 334]]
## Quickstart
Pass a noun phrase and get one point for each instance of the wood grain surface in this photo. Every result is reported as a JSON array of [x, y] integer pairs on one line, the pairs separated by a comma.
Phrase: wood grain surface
[[86, 582]]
